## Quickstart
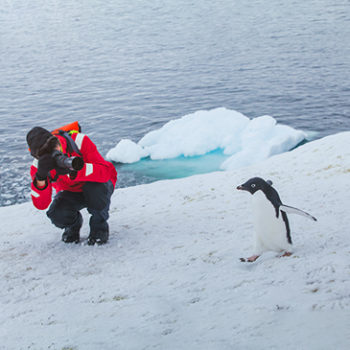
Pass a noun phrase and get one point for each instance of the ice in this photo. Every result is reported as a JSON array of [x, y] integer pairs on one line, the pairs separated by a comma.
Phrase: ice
[[154, 170], [261, 139], [126, 151], [194, 134], [245, 140]]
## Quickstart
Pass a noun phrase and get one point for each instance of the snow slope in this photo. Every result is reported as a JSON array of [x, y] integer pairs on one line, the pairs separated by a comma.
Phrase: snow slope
[[171, 278]]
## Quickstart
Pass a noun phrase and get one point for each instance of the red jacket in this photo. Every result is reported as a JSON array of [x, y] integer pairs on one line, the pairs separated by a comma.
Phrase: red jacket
[[95, 169]]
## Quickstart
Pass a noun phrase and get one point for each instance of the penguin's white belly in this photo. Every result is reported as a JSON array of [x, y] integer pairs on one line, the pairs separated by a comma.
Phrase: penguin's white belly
[[270, 231]]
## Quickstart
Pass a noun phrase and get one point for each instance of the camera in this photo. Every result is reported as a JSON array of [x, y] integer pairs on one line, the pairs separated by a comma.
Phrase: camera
[[69, 163]]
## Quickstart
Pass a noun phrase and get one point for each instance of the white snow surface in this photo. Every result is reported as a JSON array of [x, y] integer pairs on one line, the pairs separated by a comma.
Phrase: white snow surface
[[245, 140], [170, 277]]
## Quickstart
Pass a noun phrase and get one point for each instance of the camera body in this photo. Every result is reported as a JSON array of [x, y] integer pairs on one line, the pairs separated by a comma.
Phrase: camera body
[[65, 162]]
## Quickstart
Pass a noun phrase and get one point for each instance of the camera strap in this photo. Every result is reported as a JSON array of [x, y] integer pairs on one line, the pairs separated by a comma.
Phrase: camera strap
[[71, 148], [71, 145]]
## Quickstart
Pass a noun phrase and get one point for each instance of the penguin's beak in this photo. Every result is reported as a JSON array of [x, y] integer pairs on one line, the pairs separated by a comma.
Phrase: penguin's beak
[[241, 187]]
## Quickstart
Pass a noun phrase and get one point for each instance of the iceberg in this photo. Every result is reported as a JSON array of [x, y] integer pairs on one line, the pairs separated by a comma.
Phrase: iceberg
[[242, 140]]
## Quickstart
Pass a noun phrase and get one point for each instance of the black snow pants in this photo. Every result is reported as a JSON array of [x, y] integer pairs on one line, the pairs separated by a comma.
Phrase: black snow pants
[[65, 209]]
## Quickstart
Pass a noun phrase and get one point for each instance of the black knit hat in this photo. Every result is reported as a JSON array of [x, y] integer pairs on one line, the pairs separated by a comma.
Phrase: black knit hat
[[37, 138]]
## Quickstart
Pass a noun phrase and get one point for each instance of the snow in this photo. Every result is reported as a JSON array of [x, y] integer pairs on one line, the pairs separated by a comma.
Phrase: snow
[[246, 141], [170, 277]]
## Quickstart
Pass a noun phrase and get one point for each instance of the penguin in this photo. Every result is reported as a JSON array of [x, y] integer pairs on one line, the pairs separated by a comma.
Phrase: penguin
[[272, 231]]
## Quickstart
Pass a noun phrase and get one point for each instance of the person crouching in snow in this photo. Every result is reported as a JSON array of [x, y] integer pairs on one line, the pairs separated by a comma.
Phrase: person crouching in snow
[[90, 187]]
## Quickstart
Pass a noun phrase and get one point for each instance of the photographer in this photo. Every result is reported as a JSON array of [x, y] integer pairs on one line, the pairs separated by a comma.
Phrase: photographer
[[81, 178]]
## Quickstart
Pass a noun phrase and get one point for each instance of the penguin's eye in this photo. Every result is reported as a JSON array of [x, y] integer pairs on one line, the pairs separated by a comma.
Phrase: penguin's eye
[[252, 185]]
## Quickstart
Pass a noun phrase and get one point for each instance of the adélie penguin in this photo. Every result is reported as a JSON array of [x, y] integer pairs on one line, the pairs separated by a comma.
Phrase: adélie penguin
[[272, 231]]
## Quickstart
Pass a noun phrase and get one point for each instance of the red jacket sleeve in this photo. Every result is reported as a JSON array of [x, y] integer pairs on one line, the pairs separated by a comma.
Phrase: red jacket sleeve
[[96, 168], [41, 197]]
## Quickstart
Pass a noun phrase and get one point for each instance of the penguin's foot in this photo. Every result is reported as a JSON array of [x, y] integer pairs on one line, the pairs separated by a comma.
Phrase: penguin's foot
[[286, 254], [250, 259]]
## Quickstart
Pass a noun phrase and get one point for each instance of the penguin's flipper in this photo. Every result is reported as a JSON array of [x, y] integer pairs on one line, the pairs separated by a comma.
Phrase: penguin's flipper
[[292, 210]]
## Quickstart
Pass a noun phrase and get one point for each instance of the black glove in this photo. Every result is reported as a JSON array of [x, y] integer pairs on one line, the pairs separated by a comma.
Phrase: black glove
[[45, 164]]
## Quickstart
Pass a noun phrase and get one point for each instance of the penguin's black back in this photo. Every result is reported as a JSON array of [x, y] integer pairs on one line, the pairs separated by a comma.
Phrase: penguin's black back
[[273, 196]]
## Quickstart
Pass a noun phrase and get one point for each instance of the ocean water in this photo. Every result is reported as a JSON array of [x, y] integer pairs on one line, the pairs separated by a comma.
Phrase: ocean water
[[125, 68]]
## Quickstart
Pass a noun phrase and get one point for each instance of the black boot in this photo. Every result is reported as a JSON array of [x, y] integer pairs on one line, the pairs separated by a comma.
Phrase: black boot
[[71, 234], [98, 237]]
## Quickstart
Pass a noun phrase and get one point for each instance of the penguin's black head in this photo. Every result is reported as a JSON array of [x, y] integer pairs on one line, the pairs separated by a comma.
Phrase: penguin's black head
[[255, 184]]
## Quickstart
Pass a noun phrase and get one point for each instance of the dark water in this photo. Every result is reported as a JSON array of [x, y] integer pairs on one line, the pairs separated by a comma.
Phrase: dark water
[[123, 68]]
